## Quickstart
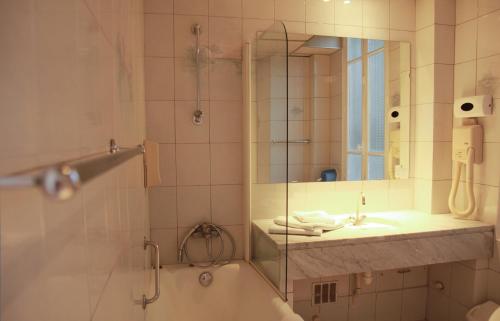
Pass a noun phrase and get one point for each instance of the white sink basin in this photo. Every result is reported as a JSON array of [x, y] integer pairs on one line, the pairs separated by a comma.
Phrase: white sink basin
[[370, 222]]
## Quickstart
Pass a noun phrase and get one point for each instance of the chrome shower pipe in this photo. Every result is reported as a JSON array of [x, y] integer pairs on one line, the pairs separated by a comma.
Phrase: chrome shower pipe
[[208, 231], [198, 113]]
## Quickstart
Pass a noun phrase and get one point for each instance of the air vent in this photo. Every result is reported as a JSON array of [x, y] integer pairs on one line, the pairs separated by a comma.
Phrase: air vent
[[324, 292]]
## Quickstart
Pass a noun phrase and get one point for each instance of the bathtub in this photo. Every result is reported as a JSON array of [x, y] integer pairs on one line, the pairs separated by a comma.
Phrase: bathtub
[[237, 293]]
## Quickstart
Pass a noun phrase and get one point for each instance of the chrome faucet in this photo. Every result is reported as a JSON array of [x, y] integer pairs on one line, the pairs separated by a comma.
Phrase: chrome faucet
[[358, 219]]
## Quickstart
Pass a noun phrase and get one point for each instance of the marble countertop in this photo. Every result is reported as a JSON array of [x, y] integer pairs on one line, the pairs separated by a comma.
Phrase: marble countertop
[[400, 225]]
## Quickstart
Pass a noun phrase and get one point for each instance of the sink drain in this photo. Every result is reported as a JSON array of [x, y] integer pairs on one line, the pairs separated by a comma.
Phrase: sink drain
[[205, 279]]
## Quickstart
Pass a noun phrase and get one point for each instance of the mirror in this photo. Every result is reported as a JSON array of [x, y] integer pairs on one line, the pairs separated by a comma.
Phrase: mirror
[[340, 112]]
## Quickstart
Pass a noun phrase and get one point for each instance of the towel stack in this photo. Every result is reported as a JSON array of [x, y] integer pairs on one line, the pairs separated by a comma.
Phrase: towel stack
[[305, 223]]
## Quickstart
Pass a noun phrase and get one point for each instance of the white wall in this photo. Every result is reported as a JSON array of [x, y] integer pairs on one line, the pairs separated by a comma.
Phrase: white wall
[[477, 70], [394, 295], [71, 78], [477, 60]]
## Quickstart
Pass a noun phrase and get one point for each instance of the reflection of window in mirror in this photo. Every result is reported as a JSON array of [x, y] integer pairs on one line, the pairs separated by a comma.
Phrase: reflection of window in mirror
[[365, 123]]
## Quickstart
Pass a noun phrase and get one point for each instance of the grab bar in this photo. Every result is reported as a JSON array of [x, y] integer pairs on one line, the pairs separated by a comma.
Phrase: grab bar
[[145, 300]]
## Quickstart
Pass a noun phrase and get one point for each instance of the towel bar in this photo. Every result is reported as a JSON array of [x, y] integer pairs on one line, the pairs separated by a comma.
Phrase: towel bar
[[60, 181]]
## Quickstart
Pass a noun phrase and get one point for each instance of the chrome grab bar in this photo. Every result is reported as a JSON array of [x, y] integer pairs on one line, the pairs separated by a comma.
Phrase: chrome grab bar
[[145, 300]]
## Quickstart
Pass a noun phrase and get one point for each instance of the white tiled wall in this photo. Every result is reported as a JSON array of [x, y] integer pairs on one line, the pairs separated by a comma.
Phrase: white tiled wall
[[472, 65], [200, 165], [466, 283], [476, 68], [441, 292], [393, 296], [72, 78], [333, 197], [477, 63], [454, 288], [336, 110], [434, 60], [208, 156], [313, 116]]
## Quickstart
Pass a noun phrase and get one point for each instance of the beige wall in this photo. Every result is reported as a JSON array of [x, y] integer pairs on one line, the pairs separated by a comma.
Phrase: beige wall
[[477, 63], [477, 73], [201, 165], [466, 284], [477, 70], [72, 78], [473, 67], [434, 99]]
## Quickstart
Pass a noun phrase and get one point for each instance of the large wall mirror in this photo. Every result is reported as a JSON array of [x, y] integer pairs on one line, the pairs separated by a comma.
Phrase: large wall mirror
[[344, 114], [322, 109]]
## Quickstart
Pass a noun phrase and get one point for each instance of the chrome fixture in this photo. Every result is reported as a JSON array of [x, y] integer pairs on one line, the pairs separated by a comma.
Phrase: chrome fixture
[[209, 232], [62, 180], [298, 141], [438, 285], [205, 279], [198, 113], [358, 219], [145, 300]]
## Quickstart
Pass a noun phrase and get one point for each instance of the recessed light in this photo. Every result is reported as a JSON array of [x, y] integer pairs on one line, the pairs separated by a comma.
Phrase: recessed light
[[347, 1]]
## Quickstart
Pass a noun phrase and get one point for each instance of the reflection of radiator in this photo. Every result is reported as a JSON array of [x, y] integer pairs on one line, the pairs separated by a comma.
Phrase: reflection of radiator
[[298, 141]]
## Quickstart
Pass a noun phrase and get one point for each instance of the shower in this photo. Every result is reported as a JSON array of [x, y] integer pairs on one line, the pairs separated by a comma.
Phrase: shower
[[198, 113]]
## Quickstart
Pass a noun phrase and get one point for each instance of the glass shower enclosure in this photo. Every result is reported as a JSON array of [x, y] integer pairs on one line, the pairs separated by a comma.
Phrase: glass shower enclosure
[[268, 155]]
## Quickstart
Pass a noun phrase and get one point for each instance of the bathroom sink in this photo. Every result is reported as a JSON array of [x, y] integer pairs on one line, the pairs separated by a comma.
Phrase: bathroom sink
[[370, 222]]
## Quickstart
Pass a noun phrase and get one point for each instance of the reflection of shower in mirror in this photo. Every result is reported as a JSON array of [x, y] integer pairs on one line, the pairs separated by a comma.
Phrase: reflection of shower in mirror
[[341, 95]]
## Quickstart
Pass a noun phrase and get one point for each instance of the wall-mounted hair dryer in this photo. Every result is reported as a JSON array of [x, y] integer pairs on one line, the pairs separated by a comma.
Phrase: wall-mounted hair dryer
[[467, 149]]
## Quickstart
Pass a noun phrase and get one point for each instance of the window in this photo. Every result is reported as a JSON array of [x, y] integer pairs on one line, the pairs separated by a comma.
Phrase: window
[[365, 109]]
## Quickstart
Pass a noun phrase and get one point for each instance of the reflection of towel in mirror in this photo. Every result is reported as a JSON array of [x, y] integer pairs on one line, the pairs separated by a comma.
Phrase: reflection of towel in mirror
[[277, 229], [292, 317], [314, 217], [295, 223]]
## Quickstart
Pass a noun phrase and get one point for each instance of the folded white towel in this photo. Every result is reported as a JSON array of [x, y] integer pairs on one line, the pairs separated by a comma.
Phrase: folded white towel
[[292, 317], [292, 222], [314, 217], [295, 223], [276, 229]]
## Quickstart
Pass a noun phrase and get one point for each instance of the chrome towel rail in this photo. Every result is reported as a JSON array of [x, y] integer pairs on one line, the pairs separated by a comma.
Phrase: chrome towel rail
[[298, 141], [60, 181]]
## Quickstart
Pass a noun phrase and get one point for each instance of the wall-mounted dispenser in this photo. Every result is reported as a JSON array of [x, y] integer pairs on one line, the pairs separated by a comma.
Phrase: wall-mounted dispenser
[[467, 149], [474, 106], [394, 115]]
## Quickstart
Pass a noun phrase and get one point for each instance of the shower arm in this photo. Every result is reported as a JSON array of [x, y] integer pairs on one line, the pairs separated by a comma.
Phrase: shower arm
[[198, 113]]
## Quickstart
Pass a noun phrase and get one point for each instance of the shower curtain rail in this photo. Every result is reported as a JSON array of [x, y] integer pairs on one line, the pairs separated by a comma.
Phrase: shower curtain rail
[[62, 180]]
